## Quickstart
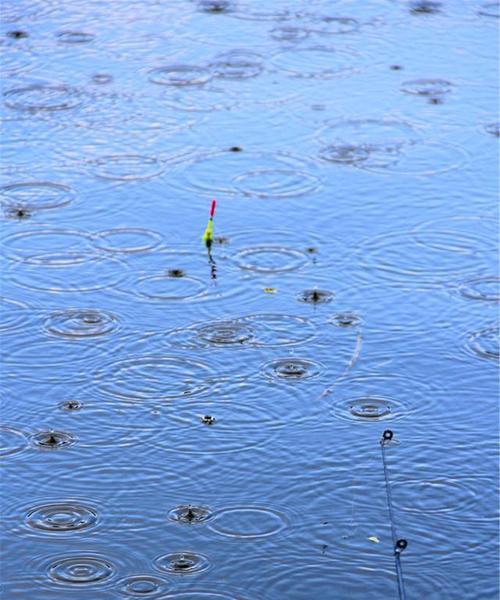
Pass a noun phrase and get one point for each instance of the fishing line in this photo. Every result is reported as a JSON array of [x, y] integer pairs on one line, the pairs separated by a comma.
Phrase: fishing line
[[398, 544], [353, 360]]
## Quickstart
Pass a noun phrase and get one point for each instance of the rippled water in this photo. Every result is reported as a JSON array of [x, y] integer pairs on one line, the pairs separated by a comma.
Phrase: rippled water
[[181, 426]]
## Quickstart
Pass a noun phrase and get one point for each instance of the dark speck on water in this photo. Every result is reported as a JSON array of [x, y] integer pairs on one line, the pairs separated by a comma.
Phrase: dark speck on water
[[316, 296], [18, 213], [235, 149], [176, 273], [17, 34], [221, 239], [71, 405], [214, 6], [423, 7]]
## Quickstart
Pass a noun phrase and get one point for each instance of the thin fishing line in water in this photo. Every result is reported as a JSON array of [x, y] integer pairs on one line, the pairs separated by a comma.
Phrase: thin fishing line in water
[[354, 359], [398, 544]]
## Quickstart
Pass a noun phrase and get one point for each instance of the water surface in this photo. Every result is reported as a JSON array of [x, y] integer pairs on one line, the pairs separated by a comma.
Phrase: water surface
[[178, 429]]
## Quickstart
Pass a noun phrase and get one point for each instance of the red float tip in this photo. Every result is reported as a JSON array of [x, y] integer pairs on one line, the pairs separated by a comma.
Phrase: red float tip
[[212, 208]]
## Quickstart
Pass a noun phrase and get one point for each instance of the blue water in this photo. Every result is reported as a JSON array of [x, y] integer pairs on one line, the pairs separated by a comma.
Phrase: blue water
[[180, 425]]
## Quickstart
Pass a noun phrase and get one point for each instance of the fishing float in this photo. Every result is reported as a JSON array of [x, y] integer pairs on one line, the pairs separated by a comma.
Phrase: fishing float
[[208, 235]]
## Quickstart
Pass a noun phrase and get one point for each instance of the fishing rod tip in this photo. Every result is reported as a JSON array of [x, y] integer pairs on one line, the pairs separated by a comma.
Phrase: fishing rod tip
[[387, 435]]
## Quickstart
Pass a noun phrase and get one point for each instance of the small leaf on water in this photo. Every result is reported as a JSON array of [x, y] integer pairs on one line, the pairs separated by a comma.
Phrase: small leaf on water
[[270, 290], [374, 539]]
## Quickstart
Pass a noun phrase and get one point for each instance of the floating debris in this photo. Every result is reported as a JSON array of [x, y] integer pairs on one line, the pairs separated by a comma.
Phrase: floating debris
[[316, 296], [17, 34], [52, 440], [71, 405], [190, 514], [176, 273]]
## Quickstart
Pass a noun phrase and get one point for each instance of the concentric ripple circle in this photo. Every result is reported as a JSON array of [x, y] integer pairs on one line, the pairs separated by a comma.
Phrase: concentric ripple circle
[[276, 183], [12, 441], [51, 360], [36, 195], [481, 288], [316, 296], [81, 570], [75, 37], [345, 153], [237, 64], [369, 132], [270, 259], [329, 25], [143, 586], [436, 257], [371, 408], [102, 78], [190, 514], [52, 440], [248, 12], [248, 522], [181, 563], [45, 246], [13, 314], [427, 87], [490, 9], [378, 396], [346, 319], [62, 516], [167, 287], [270, 175], [198, 594], [226, 334], [425, 7], [323, 576], [485, 343], [433, 496], [127, 240], [472, 236], [48, 98], [292, 369], [279, 330], [214, 6], [215, 427], [366, 143], [180, 75], [315, 63], [71, 405], [289, 33], [426, 158], [68, 272], [126, 167], [78, 323], [153, 377]]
